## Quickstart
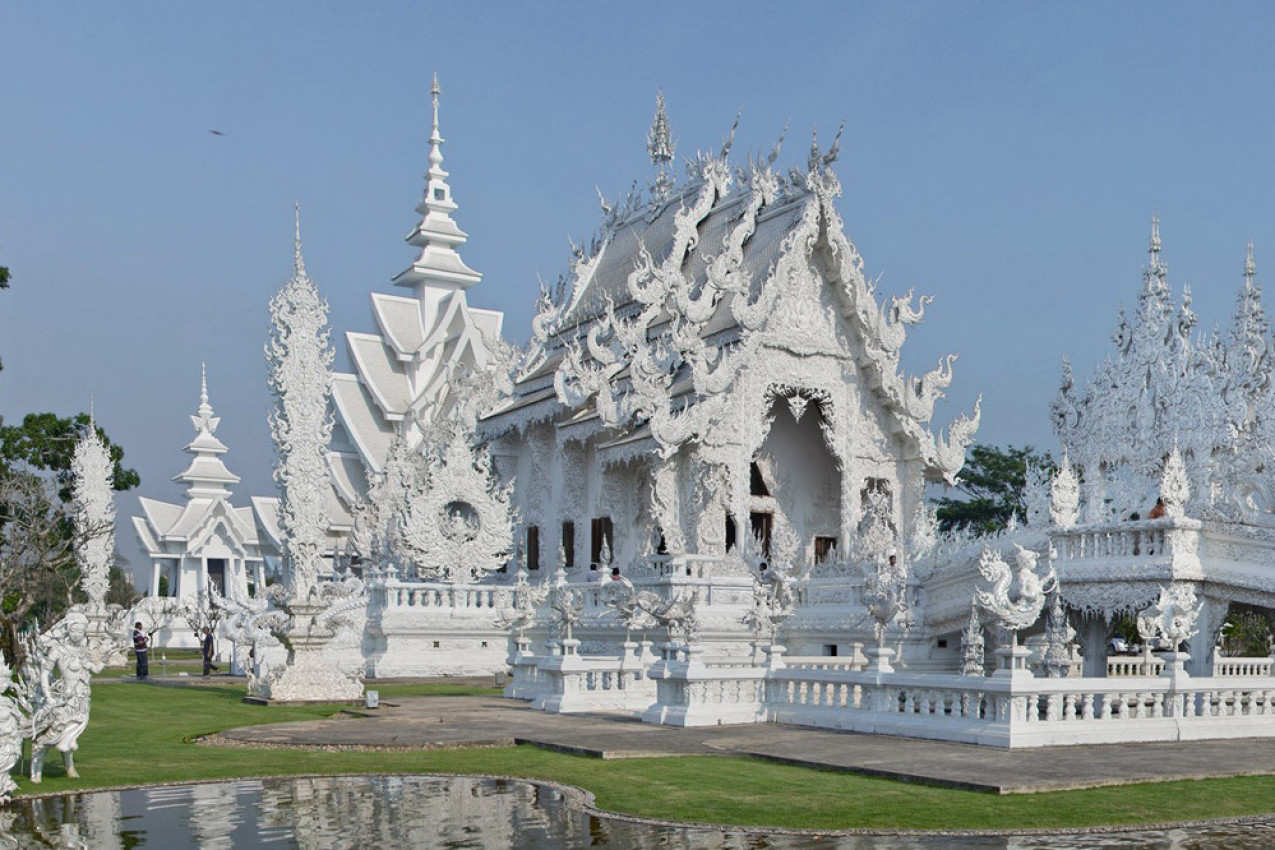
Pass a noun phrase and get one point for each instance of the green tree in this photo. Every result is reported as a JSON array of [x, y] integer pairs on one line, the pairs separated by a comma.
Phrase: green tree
[[992, 488], [39, 576]]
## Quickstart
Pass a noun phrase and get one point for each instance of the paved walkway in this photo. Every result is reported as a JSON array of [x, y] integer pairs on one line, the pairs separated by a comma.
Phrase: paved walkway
[[435, 722]]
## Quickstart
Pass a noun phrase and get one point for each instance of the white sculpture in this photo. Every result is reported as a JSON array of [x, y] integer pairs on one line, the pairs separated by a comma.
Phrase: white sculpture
[[12, 732], [1173, 617], [1024, 608], [54, 688], [526, 599], [1064, 491], [1059, 635], [972, 644], [94, 508], [321, 615]]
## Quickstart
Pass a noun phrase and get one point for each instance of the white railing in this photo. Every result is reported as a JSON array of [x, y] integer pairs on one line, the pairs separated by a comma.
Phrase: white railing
[[1122, 666], [1228, 667], [1140, 701], [400, 594], [1024, 711], [1136, 539]]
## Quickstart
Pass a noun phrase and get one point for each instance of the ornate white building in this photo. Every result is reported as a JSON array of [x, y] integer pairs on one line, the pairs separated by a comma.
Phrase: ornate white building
[[716, 368], [207, 541]]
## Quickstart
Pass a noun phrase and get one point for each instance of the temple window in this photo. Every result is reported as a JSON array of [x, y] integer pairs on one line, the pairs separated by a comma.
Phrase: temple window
[[533, 547], [568, 544], [824, 547], [600, 529], [762, 524]]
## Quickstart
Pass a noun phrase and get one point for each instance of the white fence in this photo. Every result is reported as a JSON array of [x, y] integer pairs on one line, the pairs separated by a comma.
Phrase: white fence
[[1142, 702]]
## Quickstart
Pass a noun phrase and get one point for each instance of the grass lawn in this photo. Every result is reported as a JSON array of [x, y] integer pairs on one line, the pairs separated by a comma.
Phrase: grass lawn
[[140, 734]]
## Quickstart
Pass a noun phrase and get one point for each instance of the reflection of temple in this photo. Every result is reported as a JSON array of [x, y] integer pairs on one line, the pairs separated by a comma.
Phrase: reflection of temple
[[206, 541]]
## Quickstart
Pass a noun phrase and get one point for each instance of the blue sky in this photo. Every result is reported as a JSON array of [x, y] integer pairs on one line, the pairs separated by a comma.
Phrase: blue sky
[[1006, 158]]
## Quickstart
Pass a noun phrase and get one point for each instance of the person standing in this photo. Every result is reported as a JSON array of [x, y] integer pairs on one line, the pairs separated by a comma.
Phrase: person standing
[[141, 648], [209, 648]]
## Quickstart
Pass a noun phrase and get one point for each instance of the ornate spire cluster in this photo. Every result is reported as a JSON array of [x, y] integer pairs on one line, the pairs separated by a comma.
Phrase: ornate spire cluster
[[299, 355], [93, 470], [659, 144], [1163, 392], [437, 235], [206, 476]]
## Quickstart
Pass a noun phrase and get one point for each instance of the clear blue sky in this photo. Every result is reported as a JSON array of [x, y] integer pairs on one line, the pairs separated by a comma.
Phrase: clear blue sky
[[1006, 158]]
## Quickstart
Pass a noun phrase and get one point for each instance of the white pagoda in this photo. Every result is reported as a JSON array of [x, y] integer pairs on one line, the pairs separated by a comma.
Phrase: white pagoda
[[206, 542]]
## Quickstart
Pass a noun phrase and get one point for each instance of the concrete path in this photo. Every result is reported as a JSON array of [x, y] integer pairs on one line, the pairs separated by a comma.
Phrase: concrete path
[[434, 722]]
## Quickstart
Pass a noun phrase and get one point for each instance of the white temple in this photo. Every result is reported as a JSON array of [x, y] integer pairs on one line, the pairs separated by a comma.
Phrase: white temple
[[207, 541], [698, 494]]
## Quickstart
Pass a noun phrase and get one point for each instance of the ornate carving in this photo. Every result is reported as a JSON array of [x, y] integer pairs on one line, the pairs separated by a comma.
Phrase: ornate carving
[[1023, 610], [94, 507], [300, 424], [455, 522], [972, 644], [1064, 492], [1172, 617]]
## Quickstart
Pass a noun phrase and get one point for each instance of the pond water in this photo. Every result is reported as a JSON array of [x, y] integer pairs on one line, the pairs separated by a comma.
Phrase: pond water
[[390, 812]]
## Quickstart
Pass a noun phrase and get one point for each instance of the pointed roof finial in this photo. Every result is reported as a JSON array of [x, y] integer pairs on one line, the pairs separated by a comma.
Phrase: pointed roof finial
[[659, 144], [1250, 267], [298, 262], [92, 416], [205, 409], [1154, 248]]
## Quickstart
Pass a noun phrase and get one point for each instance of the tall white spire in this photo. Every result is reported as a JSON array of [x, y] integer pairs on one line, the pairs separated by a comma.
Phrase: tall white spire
[[437, 235], [206, 477]]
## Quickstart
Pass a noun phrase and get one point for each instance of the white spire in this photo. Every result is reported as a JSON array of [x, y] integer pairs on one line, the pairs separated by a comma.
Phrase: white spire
[[438, 236], [298, 262], [206, 476], [659, 144], [1250, 267]]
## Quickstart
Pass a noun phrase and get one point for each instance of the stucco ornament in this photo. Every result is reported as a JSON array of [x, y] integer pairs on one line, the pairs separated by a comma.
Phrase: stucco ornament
[[1173, 617], [1058, 638], [249, 622], [321, 615], [972, 661], [1024, 608], [1064, 493], [1208, 399], [564, 609], [526, 599], [629, 606], [300, 358], [456, 523], [94, 508], [54, 687], [11, 733], [1175, 487], [774, 589], [885, 586]]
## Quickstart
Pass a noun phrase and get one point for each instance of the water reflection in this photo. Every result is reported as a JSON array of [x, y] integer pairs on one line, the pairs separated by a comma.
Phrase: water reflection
[[452, 813]]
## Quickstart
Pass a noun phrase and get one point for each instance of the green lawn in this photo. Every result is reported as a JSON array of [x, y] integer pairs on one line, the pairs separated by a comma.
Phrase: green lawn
[[141, 734]]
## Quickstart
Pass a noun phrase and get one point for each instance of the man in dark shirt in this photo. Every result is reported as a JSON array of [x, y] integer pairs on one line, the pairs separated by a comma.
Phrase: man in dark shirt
[[141, 648], [209, 648]]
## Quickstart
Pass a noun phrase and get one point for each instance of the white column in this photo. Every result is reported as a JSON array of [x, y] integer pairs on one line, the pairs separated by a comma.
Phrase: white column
[[156, 567], [203, 575]]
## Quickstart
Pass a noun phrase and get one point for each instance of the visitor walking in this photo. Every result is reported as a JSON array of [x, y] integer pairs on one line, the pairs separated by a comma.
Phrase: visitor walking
[[141, 648], [210, 649]]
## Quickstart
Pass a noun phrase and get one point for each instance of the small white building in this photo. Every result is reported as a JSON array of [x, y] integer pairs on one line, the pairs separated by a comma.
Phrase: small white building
[[206, 541]]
